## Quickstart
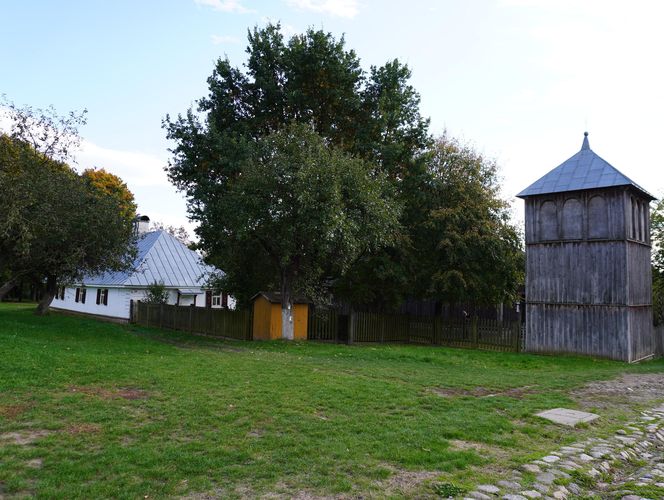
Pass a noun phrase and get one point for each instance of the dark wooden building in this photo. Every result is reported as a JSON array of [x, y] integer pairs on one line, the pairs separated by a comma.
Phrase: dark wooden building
[[588, 274]]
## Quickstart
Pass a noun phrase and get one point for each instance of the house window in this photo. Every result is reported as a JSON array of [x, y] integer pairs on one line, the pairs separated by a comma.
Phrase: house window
[[102, 296], [220, 300], [80, 295]]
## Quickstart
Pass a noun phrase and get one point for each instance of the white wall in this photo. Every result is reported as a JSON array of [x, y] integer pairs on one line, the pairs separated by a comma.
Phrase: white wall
[[118, 302]]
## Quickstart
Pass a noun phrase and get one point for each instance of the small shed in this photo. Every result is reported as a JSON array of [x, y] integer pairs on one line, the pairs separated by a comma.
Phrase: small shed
[[588, 274], [267, 316]]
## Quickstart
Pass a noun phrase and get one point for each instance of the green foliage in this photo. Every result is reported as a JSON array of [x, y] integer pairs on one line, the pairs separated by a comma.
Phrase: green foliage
[[156, 293], [474, 253], [657, 237], [458, 243], [455, 241], [448, 490], [55, 225], [305, 208], [110, 184], [583, 479]]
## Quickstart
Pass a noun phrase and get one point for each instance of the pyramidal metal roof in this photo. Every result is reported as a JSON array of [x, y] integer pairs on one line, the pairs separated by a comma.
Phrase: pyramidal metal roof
[[161, 258], [584, 170]]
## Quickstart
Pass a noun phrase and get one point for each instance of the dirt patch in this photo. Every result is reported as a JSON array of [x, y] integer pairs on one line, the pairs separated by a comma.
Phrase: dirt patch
[[23, 438], [35, 463], [483, 392], [407, 483], [481, 449], [256, 433], [120, 393], [11, 412], [83, 429], [625, 391]]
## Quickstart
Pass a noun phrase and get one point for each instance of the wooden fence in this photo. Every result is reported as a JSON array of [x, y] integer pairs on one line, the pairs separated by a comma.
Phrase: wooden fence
[[477, 333], [214, 322]]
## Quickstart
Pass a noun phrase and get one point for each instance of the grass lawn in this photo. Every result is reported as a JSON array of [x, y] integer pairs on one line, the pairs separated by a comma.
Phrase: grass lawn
[[91, 409]]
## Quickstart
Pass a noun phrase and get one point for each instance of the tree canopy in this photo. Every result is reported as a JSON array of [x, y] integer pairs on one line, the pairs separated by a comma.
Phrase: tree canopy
[[110, 184], [56, 226], [453, 240]]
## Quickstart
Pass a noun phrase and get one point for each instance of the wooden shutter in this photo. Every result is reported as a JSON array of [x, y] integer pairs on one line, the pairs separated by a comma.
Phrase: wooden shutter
[[208, 299], [83, 294], [98, 296], [106, 296], [78, 295], [224, 300]]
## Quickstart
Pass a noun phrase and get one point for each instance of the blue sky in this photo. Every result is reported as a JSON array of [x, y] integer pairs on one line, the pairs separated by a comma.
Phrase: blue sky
[[519, 79]]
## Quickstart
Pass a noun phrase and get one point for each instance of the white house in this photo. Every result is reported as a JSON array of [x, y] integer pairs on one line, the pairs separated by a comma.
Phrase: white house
[[161, 258]]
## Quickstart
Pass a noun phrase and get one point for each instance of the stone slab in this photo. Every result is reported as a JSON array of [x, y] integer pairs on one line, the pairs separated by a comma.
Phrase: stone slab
[[567, 417]]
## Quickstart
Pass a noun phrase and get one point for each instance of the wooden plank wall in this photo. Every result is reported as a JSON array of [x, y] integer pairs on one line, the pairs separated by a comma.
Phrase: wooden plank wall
[[590, 293]]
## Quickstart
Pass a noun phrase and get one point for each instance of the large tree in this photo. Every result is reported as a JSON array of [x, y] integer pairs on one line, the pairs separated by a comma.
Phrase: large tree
[[311, 79], [461, 227], [304, 207], [372, 115], [55, 225]]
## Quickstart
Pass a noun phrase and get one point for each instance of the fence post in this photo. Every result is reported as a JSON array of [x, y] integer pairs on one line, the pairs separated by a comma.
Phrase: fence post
[[473, 332], [351, 326], [516, 331], [161, 315]]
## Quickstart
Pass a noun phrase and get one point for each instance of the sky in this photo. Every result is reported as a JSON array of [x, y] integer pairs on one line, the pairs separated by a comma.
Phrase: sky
[[519, 80]]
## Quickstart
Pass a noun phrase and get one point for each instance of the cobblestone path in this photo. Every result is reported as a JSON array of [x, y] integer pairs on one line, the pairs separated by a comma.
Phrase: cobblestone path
[[628, 465]]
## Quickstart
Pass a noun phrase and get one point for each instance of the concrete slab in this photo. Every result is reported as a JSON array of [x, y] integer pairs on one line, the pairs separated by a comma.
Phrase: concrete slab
[[567, 417]]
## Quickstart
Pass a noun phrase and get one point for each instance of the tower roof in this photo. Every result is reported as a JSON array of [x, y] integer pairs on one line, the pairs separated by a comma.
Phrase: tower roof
[[584, 170]]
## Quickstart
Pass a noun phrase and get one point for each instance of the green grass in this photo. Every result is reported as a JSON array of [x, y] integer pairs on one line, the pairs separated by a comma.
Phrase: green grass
[[140, 412]]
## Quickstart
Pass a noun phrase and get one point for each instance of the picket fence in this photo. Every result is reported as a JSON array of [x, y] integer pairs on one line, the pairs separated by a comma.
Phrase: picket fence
[[333, 326], [213, 322], [472, 332]]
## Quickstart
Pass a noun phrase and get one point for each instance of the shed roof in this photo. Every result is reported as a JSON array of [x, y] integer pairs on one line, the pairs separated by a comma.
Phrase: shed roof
[[275, 298], [584, 170], [161, 258]]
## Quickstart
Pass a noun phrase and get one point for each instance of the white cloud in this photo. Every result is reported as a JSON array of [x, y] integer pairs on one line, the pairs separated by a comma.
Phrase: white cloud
[[138, 169], [338, 8], [145, 176], [226, 6], [223, 39]]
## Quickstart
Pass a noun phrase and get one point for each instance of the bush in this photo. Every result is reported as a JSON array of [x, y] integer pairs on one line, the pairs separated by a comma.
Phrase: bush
[[157, 294]]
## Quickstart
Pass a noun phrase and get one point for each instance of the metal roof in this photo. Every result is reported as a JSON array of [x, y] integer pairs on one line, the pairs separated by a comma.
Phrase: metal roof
[[584, 170], [161, 258]]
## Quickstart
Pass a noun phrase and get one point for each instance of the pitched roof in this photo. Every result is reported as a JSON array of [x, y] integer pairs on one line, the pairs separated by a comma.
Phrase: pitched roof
[[275, 298], [161, 258], [584, 170]]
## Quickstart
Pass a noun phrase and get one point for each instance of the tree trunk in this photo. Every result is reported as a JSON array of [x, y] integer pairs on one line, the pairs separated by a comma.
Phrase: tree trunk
[[49, 292], [287, 329], [6, 288]]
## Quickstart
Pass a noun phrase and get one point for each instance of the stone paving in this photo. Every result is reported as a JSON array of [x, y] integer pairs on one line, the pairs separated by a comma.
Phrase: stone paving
[[628, 465]]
